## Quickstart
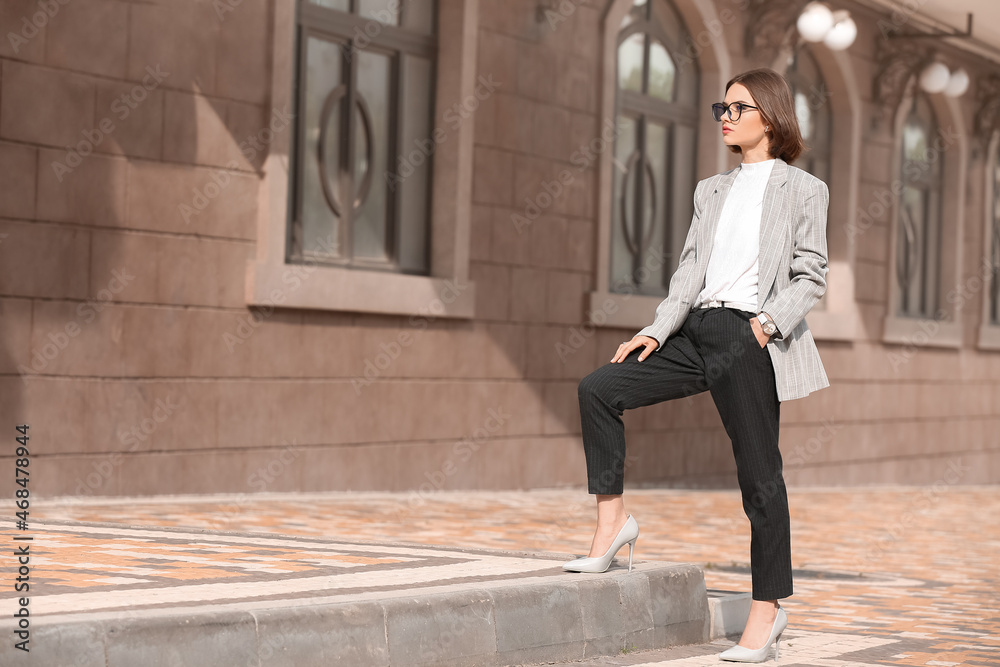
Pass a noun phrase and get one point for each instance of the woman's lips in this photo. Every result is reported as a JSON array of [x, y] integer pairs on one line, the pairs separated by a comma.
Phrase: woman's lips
[[726, 130]]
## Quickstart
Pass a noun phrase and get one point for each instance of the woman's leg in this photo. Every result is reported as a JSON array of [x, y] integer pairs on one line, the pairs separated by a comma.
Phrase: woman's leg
[[747, 399], [673, 371], [611, 517]]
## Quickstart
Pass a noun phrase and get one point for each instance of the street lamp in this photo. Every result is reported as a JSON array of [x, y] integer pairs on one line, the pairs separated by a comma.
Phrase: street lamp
[[818, 23], [937, 78]]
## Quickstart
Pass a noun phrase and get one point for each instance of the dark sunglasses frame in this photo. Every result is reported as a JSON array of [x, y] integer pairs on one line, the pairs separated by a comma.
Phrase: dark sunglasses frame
[[719, 108]]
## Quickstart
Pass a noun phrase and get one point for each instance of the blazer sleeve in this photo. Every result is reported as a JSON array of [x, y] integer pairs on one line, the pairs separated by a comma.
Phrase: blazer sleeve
[[670, 306], [809, 262]]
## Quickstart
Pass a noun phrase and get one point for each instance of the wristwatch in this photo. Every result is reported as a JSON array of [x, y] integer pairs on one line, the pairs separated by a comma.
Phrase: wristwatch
[[766, 323]]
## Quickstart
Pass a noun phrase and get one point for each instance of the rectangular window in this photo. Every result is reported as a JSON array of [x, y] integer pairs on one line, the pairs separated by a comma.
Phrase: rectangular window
[[994, 243], [655, 148], [364, 100], [918, 247]]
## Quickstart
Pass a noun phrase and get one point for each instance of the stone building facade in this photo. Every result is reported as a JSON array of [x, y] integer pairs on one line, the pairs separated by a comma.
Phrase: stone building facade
[[214, 278]]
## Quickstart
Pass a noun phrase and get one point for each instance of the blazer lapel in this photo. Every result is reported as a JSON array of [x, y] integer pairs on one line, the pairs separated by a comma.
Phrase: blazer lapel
[[713, 211], [773, 224]]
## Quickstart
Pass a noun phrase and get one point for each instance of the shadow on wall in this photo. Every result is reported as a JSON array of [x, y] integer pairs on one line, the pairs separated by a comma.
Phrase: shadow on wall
[[128, 204], [129, 212]]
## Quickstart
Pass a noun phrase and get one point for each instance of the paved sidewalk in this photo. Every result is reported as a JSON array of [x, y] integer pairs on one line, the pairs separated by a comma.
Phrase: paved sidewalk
[[884, 576]]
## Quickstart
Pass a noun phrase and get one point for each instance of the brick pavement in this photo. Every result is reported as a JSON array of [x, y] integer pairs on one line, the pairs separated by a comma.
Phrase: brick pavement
[[884, 575]]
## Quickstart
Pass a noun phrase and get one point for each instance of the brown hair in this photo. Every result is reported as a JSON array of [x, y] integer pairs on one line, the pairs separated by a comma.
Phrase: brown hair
[[771, 93]]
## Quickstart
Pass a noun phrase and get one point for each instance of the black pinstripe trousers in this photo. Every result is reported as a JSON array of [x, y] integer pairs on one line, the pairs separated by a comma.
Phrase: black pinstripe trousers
[[715, 350]]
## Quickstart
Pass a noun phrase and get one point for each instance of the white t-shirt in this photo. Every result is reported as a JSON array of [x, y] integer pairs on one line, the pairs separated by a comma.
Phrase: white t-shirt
[[732, 267]]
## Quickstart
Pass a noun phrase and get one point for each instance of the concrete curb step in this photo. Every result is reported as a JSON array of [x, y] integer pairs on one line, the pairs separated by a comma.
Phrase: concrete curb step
[[728, 612], [112, 595], [567, 618]]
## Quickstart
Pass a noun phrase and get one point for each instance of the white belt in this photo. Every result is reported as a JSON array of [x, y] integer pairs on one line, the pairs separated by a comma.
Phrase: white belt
[[715, 304], [726, 304]]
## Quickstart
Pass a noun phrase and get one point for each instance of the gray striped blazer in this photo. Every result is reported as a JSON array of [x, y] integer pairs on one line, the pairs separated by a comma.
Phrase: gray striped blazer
[[792, 268]]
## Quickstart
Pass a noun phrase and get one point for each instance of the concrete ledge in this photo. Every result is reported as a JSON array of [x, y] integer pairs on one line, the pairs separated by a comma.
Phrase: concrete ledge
[[728, 612], [654, 606], [121, 596]]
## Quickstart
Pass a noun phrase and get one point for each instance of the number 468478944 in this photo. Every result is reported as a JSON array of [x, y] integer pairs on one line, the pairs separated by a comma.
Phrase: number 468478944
[[21, 476]]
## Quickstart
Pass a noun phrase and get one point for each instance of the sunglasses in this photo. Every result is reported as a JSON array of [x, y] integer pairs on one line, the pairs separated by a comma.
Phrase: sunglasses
[[719, 108]]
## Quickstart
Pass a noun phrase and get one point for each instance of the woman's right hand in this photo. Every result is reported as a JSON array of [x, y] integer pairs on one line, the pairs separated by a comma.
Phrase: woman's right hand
[[638, 341]]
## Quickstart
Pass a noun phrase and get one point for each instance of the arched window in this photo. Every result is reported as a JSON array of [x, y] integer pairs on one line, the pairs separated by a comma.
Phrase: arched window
[[994, 240], [654, 175], [364, 95], [918, 226], [812, 108]]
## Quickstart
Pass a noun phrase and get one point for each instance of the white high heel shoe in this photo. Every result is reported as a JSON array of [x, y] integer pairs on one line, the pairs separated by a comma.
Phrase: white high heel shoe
[[627, 535], [743, 654]]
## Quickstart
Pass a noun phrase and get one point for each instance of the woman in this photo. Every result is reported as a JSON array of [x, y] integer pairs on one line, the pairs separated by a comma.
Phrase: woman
[[733, 323]]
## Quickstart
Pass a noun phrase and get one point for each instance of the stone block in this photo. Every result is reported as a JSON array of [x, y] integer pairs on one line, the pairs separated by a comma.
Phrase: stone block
[[195, 131], [493, 176], [21, 19], [69, 644], [61, 108], [341, 634], [43, 260], [182, 43], [137, 114], [223, 638], [90, 36], [176, 198], [17, 180], [539, 623], [242, 73], [528, 295], [91, 192], [451, 629]]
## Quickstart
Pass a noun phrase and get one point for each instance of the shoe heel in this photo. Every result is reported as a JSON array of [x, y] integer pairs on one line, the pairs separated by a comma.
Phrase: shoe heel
[[777, 646], [631, 545]]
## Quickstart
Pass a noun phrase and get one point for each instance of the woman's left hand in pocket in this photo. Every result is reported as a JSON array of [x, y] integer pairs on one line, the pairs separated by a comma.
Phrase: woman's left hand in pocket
[[762, 337]]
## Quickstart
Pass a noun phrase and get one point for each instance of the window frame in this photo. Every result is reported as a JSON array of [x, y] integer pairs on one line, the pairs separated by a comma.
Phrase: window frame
[[837, 316], [447, 292], [989, 332], [632, 310], [798, 77], [923, 331], [331, 26], [644, 110], [931, 219]]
